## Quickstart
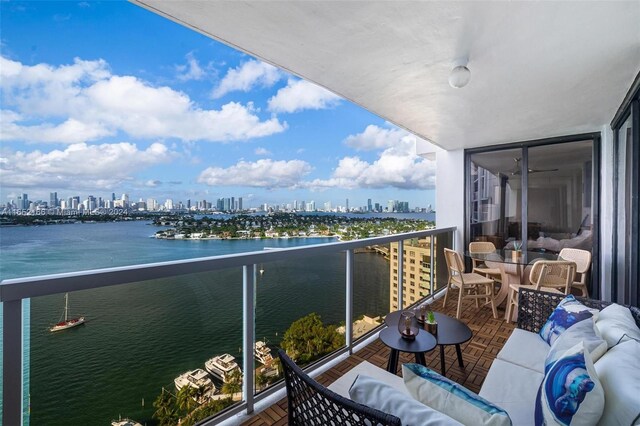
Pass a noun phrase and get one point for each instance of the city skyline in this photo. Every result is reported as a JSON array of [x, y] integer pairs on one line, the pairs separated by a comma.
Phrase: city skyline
[[225, 204], [87, 111]]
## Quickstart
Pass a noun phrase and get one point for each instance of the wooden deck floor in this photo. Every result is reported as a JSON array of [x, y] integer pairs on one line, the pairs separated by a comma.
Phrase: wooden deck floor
[[489, 335]]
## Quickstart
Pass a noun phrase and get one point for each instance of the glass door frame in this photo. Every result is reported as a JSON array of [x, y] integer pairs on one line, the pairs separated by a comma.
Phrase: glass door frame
[[630, 107], [594, 290]]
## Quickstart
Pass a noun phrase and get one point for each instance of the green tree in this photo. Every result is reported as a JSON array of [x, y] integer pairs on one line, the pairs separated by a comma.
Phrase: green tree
[[165, 405], [308, 339], [234, 383], [186, 399]]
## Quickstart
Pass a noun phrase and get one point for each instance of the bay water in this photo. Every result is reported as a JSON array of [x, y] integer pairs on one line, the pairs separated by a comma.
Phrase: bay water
[[140, 336]]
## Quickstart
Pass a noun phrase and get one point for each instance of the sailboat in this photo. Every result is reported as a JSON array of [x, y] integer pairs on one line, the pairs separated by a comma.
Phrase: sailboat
[[67, 323]]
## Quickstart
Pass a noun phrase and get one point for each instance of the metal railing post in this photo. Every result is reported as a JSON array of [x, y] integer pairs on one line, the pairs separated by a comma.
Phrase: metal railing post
[[12, 347], [348, 325], [248, 333], [431, 264], [400, 274]]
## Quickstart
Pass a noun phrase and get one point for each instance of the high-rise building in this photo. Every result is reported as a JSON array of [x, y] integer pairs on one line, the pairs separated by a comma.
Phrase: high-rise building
[[416, 272], [369, 206], [347, 204], [327, 206], [227, 205], [239, 203], [91, 203], [168, 205], [152, 204], [53, 200], [311, 206], [188, 204], [125, 200]]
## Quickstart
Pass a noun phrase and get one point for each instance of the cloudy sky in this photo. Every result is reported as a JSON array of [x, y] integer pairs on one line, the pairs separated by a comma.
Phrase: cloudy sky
[[101, 97]]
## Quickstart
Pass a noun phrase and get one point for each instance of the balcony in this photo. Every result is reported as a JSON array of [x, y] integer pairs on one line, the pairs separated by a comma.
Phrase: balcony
[[489, 335], [230, 309]]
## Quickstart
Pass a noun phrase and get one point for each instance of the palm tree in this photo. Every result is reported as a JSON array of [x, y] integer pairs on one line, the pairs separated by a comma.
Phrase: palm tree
[[233, 383], [165, 405], [186, 398]]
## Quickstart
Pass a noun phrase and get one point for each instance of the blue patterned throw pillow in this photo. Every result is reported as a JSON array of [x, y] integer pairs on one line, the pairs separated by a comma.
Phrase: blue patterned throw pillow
[[570, 393], [450, 398], [568, 312]]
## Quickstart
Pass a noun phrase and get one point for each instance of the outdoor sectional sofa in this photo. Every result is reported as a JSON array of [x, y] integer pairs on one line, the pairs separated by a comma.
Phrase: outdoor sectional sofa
[[511, 384]]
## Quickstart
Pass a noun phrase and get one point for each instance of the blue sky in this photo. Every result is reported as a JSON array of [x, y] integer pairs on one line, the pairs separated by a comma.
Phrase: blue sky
[[101, 97]]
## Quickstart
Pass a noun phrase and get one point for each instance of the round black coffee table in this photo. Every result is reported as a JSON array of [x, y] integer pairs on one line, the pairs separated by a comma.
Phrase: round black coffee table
[[391, 337], [450, 332]]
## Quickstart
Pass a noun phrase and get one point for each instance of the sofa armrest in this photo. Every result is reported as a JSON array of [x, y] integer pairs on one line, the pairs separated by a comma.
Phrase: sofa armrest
[[534, 308]]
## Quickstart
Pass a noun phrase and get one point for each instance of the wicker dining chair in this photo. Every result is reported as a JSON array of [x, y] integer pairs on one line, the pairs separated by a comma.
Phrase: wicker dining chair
[[479, 266], [311, 404], [555, 276], [468, 284], [582, 258]]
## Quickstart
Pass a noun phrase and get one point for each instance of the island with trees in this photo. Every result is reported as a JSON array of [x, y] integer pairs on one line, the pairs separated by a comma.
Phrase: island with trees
[[284, 225]]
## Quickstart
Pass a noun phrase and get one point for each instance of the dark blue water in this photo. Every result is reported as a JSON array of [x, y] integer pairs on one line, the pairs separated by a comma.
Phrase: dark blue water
[[140, 336]]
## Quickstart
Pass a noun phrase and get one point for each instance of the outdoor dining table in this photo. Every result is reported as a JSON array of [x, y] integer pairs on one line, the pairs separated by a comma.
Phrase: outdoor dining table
[[509, 265]]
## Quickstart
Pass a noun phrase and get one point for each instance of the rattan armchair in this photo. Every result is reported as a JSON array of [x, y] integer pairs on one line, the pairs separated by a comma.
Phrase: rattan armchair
[[555, 276], [469, 284], [311, 404], [582, 258], [481, 267]]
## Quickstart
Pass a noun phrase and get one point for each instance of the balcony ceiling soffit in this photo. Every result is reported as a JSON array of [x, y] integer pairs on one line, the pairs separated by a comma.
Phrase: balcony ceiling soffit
[[538, 69]]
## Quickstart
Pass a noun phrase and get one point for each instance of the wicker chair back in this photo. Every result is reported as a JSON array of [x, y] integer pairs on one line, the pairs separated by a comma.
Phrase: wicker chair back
[[311, 404]]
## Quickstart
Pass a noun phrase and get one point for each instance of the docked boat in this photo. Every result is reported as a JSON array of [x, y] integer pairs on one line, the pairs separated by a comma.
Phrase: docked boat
[[67, 322], [263, 353], [197, 379], [222, 366], [125, 422]]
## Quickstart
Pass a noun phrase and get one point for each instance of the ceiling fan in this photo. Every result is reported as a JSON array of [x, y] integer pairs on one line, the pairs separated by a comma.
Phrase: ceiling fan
[[517, 170]]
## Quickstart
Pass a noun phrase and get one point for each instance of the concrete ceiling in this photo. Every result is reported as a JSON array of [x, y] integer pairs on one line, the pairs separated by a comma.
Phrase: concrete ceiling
[[538, 69]]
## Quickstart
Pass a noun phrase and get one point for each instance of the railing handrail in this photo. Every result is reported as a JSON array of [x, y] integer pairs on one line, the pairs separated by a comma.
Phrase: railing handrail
[[23, 288]]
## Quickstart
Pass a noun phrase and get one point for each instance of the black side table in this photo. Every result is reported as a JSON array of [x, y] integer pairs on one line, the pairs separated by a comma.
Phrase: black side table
[[451, 331], [391, 337]]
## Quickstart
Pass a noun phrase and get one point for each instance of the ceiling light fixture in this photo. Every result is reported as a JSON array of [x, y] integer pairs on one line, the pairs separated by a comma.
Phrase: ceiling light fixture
[[460, 76]]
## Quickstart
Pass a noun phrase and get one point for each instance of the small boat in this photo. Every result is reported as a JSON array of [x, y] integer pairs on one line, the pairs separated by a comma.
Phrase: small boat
[[125, 422], [67, 323], [197, 379], [222, 366], [263, 353]]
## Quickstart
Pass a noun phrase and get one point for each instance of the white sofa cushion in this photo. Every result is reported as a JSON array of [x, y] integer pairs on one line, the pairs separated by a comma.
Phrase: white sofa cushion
[[570, 393], [514, 389], [568, 312], [342, 385], [615, 322], [583, 331], [525, 349], [619, 373], [376, 394], [450, 398]]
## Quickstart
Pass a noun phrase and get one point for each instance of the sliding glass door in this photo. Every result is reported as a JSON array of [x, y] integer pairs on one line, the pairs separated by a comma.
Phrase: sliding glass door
[[541, 194]]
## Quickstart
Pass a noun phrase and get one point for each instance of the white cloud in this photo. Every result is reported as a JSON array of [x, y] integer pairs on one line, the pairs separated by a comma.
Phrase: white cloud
[[397, 167], [262, 151], [247, 76], [191, 71], [80, 165], [265, 173], [84, 101], [299, 95], [374, 138]]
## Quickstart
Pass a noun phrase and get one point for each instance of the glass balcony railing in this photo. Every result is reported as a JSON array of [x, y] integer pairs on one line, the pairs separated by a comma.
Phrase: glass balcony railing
[[147, 325]]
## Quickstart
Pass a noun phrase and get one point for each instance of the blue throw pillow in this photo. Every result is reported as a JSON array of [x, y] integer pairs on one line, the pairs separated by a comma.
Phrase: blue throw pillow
[[568, 312], [450, 398], [570, 393]]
